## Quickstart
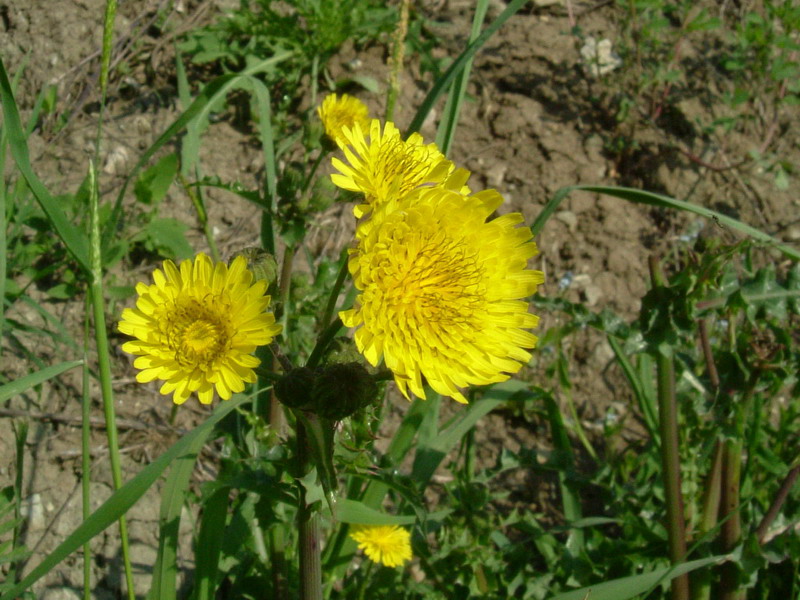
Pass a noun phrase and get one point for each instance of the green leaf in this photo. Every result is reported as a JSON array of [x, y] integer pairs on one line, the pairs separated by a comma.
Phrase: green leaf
[[72, 237], [172, 499], [166, 236], [353, 511], [209, 543], [24, 383], [628, 587], [152, 185], [121, 501]]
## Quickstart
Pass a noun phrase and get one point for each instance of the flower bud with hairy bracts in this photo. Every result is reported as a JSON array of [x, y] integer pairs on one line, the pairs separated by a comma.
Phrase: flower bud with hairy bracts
[[295, 389], [341, 389], [343, 350], [261, 263]]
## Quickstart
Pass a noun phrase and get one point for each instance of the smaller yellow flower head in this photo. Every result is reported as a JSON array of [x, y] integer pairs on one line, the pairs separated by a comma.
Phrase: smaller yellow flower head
[[442, 290], [337, 113], [389, 545], [382, 165], [197, 327]]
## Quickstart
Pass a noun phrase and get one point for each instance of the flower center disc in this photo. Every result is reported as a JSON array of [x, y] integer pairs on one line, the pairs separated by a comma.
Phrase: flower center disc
[[200, 339], [438, 286]]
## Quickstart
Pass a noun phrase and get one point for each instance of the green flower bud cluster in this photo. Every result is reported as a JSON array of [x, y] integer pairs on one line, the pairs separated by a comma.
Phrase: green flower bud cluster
[[334, 391]]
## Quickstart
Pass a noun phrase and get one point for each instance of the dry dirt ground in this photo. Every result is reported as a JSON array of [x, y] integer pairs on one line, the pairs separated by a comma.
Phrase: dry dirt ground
[[528, 129]]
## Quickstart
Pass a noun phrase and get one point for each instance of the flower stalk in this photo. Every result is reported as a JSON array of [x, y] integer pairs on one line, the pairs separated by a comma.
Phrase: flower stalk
[[308, 526], [670, 459], [731, 533]]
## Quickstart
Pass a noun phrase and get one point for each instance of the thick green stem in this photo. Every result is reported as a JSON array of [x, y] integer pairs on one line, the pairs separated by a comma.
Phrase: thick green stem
[[670, 459], [670, 464], [277, 553], [731, 534], [712, 492], [308, 526], [701, 580]]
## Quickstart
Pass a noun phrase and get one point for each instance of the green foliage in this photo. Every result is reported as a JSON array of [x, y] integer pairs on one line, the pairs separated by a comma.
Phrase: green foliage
[[310, 29]]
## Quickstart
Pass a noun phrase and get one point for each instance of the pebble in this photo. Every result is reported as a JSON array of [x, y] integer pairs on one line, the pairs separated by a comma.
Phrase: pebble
[[60, 593], [115, 163], [569, 219], [496, 175], [33, 510]]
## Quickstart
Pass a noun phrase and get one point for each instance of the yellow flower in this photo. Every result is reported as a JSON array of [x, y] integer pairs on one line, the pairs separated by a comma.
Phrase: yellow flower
[[385, 166], [197, 327], [336, 113], [389, 545], [441, 290]]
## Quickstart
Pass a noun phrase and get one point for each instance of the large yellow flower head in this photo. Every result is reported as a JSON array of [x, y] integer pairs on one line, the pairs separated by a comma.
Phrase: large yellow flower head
[[382, 165], [337, 113], [197, 327], [389, 545], [441, 290]]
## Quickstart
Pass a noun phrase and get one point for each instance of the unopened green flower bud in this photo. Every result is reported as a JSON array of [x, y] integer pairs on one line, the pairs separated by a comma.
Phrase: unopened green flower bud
[[343, 350], [295, 389], [261, 263], [341, 389]]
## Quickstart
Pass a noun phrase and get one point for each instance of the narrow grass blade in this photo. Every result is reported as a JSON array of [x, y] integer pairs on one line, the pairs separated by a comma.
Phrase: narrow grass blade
[[629, 587], [460, 63], [121, 501], [3, 228], [651, 199], [24, 383], [209, 544], [270, 167], [173, 496], [641, 391], [353, 511], [73, 239], [570, 500], [452, 110], [549, 209]]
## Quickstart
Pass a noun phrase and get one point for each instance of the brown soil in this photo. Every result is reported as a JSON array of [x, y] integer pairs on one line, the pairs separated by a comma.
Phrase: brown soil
[[530, 126]]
